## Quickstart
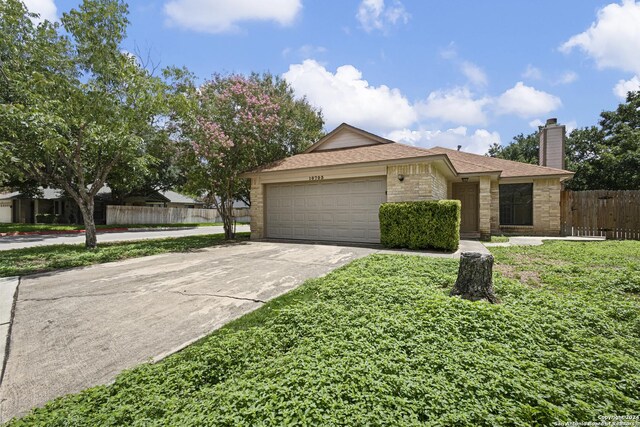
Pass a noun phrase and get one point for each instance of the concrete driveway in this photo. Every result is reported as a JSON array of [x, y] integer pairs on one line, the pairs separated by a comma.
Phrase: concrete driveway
[[81, 327], [27, 241]]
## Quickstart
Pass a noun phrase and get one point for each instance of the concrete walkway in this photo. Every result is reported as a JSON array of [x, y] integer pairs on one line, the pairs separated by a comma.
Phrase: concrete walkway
[[537, 241], [18, 242]]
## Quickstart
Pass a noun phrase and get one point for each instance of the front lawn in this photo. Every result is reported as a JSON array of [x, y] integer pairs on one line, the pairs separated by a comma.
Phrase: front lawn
[[380, 342], [15, 228], [19, 262]]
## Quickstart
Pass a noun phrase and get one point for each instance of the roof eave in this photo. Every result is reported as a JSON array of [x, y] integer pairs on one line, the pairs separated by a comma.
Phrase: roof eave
[[443, 157], [561, 176], [480, 173]]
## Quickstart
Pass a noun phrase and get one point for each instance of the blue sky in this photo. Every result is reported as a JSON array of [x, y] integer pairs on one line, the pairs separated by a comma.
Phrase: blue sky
[[421, 72]]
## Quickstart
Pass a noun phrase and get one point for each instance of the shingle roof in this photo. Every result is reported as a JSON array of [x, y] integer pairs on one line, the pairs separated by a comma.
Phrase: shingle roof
[[464, 163], [345, 156], [9, 196], [174, 197], [474, 163]]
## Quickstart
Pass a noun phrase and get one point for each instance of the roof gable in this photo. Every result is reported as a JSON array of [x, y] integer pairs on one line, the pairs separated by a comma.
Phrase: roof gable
[[346, 136]]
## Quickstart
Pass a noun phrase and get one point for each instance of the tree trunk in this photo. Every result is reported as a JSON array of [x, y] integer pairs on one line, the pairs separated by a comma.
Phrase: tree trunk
[[226, 212], [91, 240], [475, 278]]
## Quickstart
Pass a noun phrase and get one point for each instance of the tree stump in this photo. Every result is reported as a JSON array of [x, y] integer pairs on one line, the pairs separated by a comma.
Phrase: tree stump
[[475, 278]]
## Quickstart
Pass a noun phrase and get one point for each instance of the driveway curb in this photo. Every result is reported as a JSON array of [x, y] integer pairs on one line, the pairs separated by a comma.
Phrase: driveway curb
[[8, 297]]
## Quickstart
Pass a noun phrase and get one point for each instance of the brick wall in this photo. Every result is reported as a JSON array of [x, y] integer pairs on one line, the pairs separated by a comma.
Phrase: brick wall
[[257, 209], [546, 207], [546, 210], [417, 183], [485, 207], [495, 207], [439, 185]]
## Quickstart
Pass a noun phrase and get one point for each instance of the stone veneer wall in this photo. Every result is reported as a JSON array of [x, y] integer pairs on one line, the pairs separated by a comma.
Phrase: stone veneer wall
[[257, 209], [417, 183]]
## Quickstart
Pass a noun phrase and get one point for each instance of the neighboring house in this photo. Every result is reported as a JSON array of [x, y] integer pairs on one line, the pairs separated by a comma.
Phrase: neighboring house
[[334, 189], [18, 209], [163, 199]]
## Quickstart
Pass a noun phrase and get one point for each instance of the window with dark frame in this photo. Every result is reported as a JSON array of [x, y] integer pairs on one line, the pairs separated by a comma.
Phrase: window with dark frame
[[516, 204]]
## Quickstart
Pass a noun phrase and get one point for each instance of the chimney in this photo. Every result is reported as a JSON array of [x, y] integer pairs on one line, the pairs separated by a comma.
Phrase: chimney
[[552, 137]]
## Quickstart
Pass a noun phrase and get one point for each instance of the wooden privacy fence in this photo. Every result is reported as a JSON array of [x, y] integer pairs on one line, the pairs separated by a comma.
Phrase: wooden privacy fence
[[613, 214], [156, 215]]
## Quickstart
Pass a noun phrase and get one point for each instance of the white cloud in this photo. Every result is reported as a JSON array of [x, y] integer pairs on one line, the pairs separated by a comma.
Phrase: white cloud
[[374, 15], [624, 86], [567, 78], [456, 105], [532, 73], [305, 51], [526, 101], [346, 97], [217, 16], [449, 52], [613, 41], [45, 8], [474, 73], [477, 142], [536, 123]]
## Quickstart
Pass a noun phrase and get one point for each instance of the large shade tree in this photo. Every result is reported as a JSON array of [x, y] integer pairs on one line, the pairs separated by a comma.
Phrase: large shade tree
[[74, 106], [232, 124]]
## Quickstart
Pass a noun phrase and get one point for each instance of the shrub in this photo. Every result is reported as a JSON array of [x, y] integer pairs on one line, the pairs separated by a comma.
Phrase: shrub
[[421, 225], [48, 218]]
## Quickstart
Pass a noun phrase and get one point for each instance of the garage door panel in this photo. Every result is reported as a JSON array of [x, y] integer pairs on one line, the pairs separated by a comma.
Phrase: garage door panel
[[344, 210], [5, 212]]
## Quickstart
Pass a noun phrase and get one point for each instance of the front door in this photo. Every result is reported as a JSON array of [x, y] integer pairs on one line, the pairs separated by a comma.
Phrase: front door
[[467, 193]]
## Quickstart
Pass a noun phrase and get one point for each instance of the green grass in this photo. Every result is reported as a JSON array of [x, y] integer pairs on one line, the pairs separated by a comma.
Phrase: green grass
[[20, 262], [499, 239], [380, 342], [12, 228]]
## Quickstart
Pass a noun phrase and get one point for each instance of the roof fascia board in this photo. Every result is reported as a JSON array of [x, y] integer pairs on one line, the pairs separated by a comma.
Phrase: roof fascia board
[[390, 162]]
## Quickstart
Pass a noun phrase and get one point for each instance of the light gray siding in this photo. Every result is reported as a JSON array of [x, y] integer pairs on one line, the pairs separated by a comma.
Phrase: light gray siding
[[346, 139]]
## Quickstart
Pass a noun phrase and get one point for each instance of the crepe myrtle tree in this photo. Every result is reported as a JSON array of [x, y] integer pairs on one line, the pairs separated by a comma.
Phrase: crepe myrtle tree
[[74, 106], [232, 124]]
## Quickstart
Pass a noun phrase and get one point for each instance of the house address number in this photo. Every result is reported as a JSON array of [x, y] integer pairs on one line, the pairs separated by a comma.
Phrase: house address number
[[316, 178]]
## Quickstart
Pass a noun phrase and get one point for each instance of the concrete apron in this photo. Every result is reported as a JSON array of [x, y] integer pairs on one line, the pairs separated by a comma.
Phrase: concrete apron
[[79, 328]]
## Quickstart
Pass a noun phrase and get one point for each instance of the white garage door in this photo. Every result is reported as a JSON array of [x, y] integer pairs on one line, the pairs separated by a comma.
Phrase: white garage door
[[339, 210], [5, 211]]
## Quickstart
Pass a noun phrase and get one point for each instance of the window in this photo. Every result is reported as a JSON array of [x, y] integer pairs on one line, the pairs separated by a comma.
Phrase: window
[[57, 207], [516, 204]]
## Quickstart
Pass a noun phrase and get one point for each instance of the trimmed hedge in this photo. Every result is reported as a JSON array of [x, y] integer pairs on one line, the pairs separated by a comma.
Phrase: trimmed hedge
[[421, 225], [48, 219]]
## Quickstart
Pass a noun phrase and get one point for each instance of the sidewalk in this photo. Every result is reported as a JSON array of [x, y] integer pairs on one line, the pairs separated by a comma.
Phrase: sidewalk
[[537, 241], [99, 231], [18, 242]]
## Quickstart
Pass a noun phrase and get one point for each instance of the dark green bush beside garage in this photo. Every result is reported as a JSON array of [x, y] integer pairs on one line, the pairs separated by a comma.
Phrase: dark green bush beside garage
[[421, 225]]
